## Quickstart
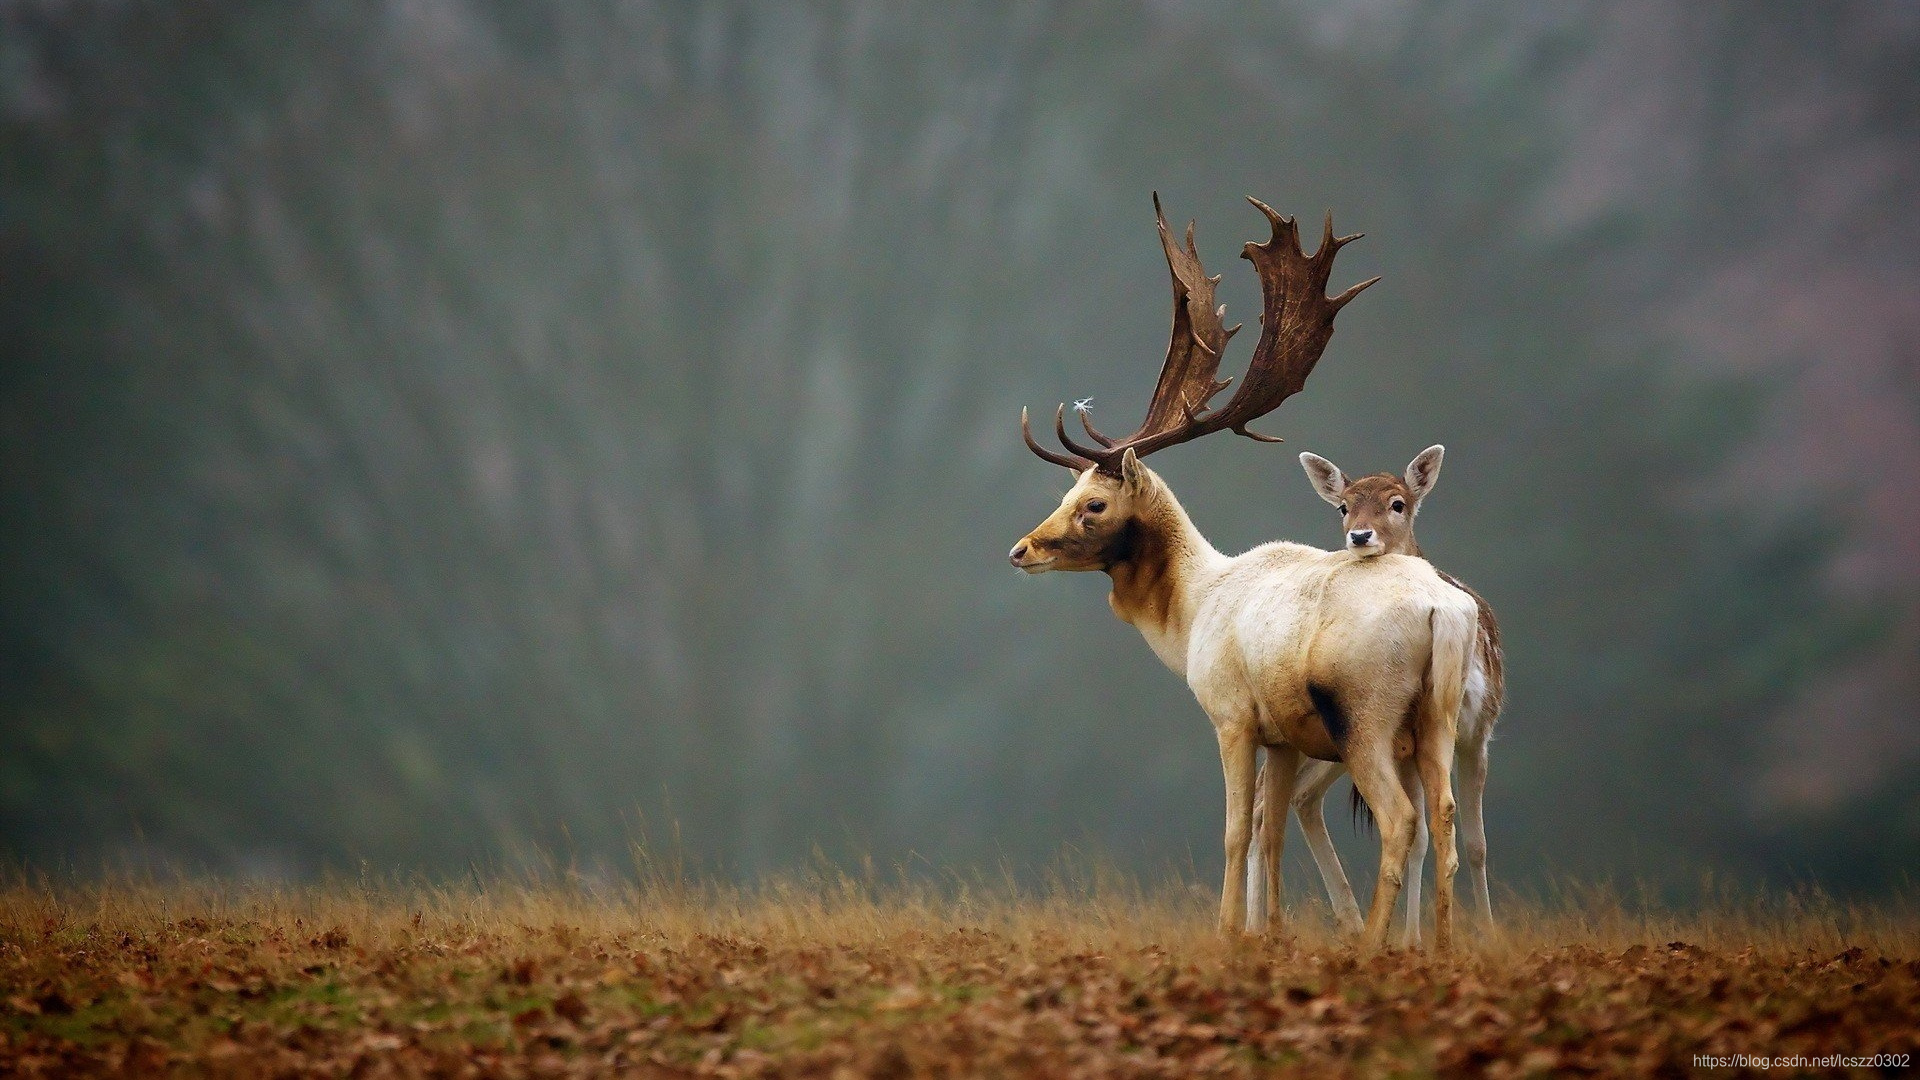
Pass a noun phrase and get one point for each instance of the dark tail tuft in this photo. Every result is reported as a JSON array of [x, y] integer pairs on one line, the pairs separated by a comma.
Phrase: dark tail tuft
[[1362, 813]]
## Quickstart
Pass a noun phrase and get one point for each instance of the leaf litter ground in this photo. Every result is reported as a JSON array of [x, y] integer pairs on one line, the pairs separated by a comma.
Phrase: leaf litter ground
[[835, 978]]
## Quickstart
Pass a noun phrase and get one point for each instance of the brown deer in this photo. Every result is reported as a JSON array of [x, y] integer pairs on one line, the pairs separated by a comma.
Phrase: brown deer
[[1308, 653], [1377, 514]]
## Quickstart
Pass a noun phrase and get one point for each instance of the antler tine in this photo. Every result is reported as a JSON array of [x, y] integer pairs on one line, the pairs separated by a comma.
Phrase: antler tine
[[1026, 432], [1087, 422], [1060, 432], [1322, 260], [1331, 244], [1241, 429], [1346, 297], [1283, 226]]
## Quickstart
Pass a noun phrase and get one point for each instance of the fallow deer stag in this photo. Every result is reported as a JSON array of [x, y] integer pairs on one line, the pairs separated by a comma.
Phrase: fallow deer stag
[[1306, 652], [1377, 515]]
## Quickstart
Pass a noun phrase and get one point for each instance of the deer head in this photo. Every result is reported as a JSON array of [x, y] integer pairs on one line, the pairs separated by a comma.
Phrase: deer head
[[1377, 512], [1089, 529], [1095, 527]]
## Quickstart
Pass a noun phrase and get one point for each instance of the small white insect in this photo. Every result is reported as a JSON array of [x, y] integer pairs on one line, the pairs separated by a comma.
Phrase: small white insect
[[1084, 405]]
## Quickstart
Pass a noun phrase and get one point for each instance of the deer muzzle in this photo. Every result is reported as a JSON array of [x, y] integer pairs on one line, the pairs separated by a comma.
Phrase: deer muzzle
[[1026, 556]]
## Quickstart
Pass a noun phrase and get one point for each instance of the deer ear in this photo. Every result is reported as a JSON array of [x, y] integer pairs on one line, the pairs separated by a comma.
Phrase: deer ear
[[1133, 475], [1326, 477], [1424, 471]]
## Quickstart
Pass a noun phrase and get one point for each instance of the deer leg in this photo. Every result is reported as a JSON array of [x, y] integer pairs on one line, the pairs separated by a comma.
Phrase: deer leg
[[1378, 781], [1416, 854], [1237, 763], [1283, 768], [1256, 862], [1309, 803], [1435, 756], [1473, 827]]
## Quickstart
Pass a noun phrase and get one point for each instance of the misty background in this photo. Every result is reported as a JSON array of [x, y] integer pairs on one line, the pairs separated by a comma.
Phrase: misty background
[[438, 433]]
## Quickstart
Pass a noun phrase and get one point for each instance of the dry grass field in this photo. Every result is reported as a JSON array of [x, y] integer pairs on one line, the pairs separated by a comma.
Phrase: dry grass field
[[836, 976]]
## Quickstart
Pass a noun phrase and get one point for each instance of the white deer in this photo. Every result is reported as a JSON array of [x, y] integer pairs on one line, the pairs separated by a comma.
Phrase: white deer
[[1377, 514], [1309, 653]]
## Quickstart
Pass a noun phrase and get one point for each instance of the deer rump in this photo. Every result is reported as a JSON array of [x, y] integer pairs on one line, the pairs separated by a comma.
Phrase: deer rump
[[1362, 653]]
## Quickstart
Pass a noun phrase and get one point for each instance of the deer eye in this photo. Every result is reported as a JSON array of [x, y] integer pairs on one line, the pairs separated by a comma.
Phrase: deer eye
[[1399, 507], [1343, 509], [1096, 506]]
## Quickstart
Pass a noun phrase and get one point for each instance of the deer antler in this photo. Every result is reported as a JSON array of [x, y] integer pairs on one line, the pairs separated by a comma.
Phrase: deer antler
[[1295, 325]]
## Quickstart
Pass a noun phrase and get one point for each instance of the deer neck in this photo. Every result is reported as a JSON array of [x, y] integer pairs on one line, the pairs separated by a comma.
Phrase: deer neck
[[1156, 564]]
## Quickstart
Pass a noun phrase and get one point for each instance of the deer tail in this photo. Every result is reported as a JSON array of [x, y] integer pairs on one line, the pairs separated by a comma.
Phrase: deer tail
[[1453, 630]]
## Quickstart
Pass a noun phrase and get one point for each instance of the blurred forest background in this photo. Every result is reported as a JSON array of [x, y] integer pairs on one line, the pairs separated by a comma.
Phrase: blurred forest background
[[438, 433]]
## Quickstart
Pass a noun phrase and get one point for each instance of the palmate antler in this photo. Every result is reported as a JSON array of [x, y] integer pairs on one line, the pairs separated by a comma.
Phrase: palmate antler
[[1295, 325]]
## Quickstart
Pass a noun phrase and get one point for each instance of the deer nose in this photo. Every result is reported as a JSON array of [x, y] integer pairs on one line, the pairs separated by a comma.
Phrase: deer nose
[[1360, 537], [1019, 552]]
